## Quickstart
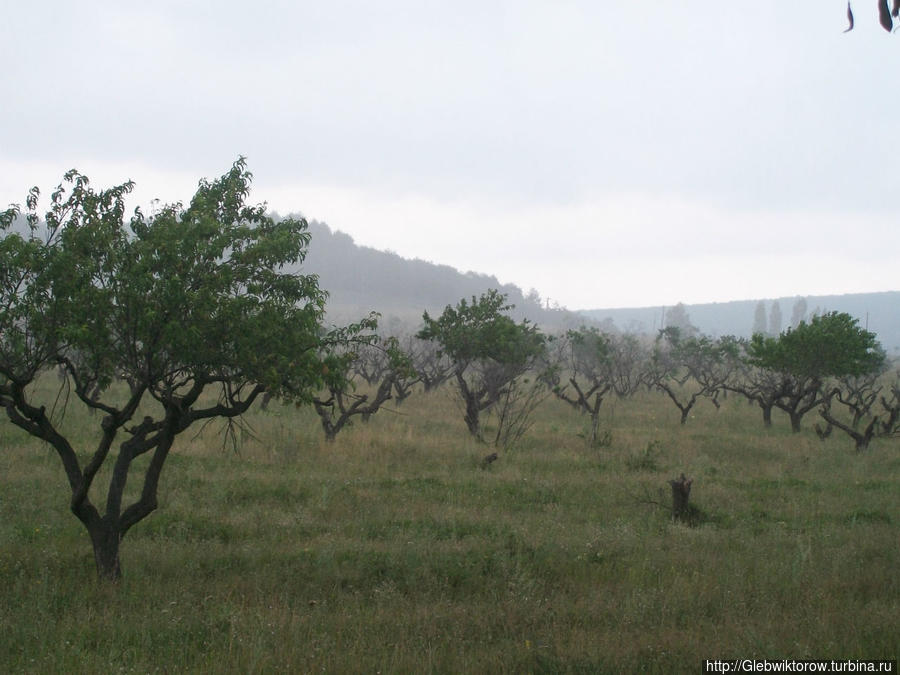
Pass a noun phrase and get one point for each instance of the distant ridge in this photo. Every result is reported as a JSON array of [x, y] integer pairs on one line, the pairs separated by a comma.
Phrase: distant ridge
[[360, 279], [879, 311]]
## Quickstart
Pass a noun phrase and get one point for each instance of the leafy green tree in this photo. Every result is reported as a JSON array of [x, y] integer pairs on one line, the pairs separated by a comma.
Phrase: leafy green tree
[[189, 306], [830, 345], [490, 355]]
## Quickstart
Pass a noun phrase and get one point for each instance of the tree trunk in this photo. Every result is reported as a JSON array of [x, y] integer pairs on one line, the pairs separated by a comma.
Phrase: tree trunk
[[767, 414], [267, 397], [472, 419], [595, 427], [681, 492], [106, 539], [473, 413], [795, 421]]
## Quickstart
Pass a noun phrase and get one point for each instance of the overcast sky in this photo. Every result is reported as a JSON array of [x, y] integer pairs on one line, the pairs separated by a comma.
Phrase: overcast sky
[[606, 153]]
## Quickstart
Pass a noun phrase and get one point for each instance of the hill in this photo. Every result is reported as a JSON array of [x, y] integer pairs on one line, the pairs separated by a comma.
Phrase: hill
[[360, 279], [880, 312]]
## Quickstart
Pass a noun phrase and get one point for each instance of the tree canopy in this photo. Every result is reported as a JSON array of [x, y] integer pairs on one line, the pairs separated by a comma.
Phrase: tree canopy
[[180, 304], [480, 330], [490, 354], [828, 345]]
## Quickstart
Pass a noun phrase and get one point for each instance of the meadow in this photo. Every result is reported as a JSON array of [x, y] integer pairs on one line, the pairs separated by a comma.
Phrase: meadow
[[393, 550]]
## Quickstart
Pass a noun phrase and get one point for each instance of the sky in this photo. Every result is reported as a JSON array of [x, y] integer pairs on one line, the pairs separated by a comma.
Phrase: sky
[[599, 152]]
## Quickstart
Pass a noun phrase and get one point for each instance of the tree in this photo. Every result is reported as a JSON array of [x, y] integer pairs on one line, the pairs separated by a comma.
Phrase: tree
[[865, 424], [431, 364], [588, 360], [759, 319], [343, 403], [830, 345], [687, 369], [596, 364], [798, 313], [775, 318], [678, 317], [490, 355], [758, 385], [189, 306]]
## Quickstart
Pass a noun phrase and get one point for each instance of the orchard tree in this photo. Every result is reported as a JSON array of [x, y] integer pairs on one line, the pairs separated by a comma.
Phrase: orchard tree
[[491, 356], [759, 385], [191, 306], [595, 364], [858, 394], [586, 374], [422, 363], [687, 369], [870, 407], [830, 345], [430, 362], [342, 402]]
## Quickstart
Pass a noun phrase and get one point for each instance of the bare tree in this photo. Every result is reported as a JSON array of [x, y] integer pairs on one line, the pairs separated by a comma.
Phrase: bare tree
[[342, 403], [593, 364], [687, 370], [759, 385], [431, 363], [882, 420]]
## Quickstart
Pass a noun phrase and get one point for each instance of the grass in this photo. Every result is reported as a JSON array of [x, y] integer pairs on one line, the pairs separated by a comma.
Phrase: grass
[[391, 550]]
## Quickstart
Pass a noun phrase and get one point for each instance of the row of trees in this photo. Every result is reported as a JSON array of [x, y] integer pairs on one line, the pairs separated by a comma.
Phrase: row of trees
[[195, 308], [825, 362], [504, 369]]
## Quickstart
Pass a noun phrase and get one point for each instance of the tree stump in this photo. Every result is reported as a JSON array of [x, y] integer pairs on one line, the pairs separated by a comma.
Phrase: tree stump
[[681, 492], [487, 461]]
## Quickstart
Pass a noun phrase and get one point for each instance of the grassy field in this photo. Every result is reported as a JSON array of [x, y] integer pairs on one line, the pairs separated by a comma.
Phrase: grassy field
[[391, 550]]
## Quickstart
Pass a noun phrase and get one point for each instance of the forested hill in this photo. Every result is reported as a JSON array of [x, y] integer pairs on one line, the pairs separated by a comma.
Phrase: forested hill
[[360, 279], [880, 312]]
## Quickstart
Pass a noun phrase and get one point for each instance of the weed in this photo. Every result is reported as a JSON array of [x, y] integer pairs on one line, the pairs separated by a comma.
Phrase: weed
[[645, 460]]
